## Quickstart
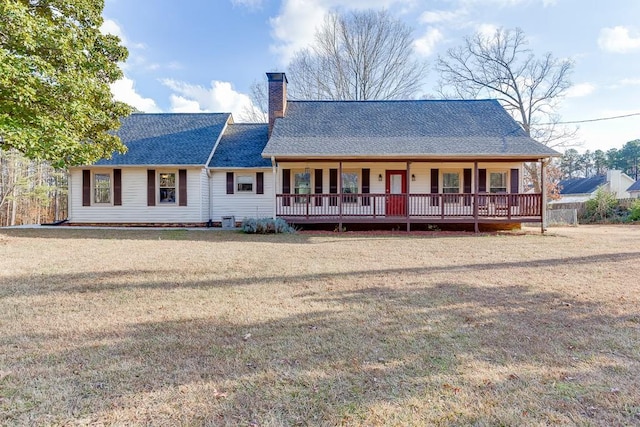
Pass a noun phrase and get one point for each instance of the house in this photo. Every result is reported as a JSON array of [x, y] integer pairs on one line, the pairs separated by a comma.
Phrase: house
[[578, 190], [634, 190], [398, 162]]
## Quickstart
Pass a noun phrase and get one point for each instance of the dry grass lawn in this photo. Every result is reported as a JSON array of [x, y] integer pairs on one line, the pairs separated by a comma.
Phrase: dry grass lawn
[[218, 328]]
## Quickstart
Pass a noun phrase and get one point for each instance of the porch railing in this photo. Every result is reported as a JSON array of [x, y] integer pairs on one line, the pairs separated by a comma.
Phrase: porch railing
[[402, 206]]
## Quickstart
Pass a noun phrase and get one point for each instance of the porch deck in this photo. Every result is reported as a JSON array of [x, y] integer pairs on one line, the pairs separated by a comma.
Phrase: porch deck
[[409, 208]]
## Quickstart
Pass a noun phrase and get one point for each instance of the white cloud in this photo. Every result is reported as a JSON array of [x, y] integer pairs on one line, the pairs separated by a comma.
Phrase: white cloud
[[580, 90], [220, 97], [618, 40], [426, 44], [441, 16], [123, 90], [487, 30], [295, 25], [630, 82], [109, 26]]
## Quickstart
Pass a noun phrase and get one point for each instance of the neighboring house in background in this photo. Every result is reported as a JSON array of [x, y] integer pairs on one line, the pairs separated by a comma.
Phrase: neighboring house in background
[[403, 162], [634, 190], [578, 190]]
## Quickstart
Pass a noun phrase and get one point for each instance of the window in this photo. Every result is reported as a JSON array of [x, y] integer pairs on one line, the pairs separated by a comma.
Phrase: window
[[167, 187], [244, 183], [301, 185], [349, 186], [451, 182], [498, 182], [102, 188]]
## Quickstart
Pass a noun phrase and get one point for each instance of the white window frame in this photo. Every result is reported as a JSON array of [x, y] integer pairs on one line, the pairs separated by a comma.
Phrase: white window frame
[[443, 188], [506, 182], [94, 187], [160, 187], [301, 197], [251, 178], [347, 197]]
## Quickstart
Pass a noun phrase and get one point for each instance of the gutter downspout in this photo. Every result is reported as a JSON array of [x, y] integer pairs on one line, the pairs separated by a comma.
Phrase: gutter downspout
[[275, 190], [209, 175]]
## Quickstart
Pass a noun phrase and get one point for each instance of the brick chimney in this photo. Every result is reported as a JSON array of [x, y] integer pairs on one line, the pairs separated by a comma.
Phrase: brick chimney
[[277, 97]]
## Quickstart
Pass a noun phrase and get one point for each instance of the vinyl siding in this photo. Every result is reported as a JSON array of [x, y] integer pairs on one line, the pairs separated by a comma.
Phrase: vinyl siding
[[134, 207], [241, 204]]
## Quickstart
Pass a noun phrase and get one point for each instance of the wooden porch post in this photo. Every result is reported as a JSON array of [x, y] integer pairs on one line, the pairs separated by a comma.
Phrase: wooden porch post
[[275, 187], [407, 204], [340, 196], [543, 191], [476, 192]]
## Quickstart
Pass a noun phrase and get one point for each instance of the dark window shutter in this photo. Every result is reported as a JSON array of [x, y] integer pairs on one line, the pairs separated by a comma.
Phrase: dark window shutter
[[366, 186], [466, 186], [515, 185], [482, 178], [259, 182], [466, 181], [333, 186], [151, 187], [317, 185], [435, 185], [117, 187], [515, 181], [182, 187], [435, 173], [86, 187], [286, 186], [229, 182]]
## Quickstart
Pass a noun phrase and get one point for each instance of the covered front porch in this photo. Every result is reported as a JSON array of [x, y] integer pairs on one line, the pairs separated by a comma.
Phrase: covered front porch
[[412, 192]]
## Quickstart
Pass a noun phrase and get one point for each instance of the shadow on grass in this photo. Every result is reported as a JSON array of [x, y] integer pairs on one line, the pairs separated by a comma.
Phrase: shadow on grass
[[121, 279], [440, 354]]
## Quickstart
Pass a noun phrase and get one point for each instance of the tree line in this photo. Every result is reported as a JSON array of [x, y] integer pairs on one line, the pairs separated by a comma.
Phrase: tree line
[[31, 191], [594, 163]]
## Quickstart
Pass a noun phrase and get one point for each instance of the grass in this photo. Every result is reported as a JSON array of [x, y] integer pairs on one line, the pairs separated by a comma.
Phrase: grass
[[197, 327]]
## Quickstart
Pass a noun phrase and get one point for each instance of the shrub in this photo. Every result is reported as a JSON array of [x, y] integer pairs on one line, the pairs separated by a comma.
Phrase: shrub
[[266, 226], [634, 211], [602, 207]]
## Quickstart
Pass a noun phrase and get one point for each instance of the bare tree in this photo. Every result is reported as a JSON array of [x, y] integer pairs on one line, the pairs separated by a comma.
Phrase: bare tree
[[530, 88], [363, 55], [256, 111]]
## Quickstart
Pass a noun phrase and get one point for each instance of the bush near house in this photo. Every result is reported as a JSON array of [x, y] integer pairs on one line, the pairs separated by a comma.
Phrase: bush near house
[[604, 208], [266, 226]]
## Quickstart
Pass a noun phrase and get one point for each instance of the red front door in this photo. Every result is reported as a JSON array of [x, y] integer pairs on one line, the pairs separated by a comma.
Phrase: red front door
[[396, 190]]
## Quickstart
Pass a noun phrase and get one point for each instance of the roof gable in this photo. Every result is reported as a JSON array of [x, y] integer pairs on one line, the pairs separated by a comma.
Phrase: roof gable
[[241, 146], [418, 127], [634, 187], [168, 139]]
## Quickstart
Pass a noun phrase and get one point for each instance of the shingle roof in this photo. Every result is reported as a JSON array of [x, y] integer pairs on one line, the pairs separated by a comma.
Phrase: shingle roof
[[634, 187], [241, 146], [393, 128], [581, 185], [168, 139]]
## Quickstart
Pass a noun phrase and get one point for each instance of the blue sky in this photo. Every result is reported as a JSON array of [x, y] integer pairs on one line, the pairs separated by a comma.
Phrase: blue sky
[[203, 55]]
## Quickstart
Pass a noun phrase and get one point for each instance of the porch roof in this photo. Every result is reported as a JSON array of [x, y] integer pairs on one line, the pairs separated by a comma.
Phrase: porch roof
[[419, 128]]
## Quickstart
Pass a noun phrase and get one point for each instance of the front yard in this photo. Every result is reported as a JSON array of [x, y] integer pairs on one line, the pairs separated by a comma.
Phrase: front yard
[[219, 328]]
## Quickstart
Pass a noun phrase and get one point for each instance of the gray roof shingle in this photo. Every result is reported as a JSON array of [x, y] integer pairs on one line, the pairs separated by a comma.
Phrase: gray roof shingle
[[241, 146], [397, 128], [581, 185], [634, 187], [168, 139]]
